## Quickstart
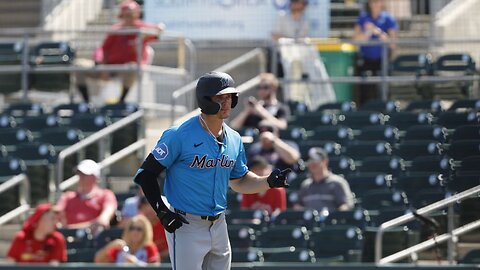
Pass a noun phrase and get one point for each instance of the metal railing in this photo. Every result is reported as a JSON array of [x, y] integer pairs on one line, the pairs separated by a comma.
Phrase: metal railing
[[96, 137], [472, 192], [235, 63], [20, 180]]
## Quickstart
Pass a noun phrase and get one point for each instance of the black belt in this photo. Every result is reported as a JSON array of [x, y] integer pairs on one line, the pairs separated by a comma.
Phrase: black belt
[[209, 218]]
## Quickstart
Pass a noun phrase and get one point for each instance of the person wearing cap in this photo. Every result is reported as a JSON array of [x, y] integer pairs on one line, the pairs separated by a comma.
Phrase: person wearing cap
[[39, 241], [280, 153], [323, 190], [266, 109], [202, 157], [272, 200], [122, 48], [90, 206]]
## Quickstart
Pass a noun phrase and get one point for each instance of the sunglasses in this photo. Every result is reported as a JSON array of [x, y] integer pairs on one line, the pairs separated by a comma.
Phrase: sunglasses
[[264, 87], [135, 228]]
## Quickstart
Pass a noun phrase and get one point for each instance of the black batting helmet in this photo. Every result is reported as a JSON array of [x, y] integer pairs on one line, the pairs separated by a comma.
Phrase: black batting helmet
[[213, 84]]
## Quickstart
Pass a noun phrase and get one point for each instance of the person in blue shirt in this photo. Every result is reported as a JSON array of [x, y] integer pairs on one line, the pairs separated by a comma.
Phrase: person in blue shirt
[[202, 157], [373, 24]]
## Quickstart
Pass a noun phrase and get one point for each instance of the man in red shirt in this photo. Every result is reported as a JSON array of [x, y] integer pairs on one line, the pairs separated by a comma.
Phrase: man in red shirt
[[38, 241], [90, 205], [122, 48], [273, 200]]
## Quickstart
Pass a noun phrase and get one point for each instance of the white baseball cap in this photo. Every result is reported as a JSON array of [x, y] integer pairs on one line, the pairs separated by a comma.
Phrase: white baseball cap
[[89, 167]]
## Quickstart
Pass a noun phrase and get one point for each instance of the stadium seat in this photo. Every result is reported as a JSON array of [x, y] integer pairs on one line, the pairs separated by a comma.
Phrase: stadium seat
[[293, 133], [362, 149], [89, 123], [454, 65], [332, 148], [429, 106], [360, 119], [295, 180], [410, 149], [128, 134], [11, 54], [356, 217], [385, 133], [297, 107], [465, 104], [361, 183], [388, 165], [119, 110], [341, 165], [283, 236], [77, 239], [382, 199], [341, 241], [414, 183], [469, 166], [312, 120], [337, 107], [404, 120], [385, 107], [70, 109], [247, 255], [308, 218], [233, 199], [472, 257], [339, 134], [468, 132], [37, 124], [439, 164], [422, 198], [61, 137], [413, 65], [241, 237], [10, 167], [51, 53], [11, 137], [460, 183], [298, 255], [24, 109], [85, 255], [452, 119], [106, 236], [426, 132], [7, 121], [464, 148]]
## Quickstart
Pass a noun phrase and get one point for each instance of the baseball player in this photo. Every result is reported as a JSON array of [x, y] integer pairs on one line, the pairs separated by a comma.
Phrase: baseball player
[[202, 158]]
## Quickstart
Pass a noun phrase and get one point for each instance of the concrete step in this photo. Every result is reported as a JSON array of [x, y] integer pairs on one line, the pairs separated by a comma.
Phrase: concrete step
[[4, 246], [8, 231]]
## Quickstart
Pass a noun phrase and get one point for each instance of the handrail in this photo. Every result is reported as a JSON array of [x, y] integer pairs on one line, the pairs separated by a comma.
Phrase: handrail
[[24, 198], [424, 210], [64, 185], [90, 140], [255, 53]]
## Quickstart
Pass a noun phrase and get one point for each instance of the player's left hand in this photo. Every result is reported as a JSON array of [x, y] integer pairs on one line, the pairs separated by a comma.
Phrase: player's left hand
[[278, 178]]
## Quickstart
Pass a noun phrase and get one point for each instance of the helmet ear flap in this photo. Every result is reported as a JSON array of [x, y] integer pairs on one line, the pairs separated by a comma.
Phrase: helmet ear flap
[[234, 100], [208, 106]]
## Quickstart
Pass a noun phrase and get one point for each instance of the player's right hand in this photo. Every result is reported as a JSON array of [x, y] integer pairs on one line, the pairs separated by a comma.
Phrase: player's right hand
[[172, 221]]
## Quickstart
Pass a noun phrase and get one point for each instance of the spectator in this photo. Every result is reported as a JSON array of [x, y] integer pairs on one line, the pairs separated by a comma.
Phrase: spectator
[[292, 24], [89, 206], [323, 189], [131, 206], [122, 48], [135, 246], [39, 241], [268, 108], [374, 24], [159, 238], [280, 153], [272, 200]]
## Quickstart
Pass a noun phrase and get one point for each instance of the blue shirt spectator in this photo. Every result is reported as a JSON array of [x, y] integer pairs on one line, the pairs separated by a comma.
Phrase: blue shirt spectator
[[385, 22]]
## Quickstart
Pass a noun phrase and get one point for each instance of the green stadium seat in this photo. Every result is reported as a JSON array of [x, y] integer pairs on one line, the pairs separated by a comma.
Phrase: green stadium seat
[[411, 149], [70, 109], [332, 148], [233, 200], [311, 121], [11, 137], [255, 219], [36, 124], [361, 183], [404, 120], [241, 237], [283, 236], [468, 132], [339, 134], [61, 137], [414, 183], [382, 199], [389, 165], [76, 239], [463, 148], [106, 236], [429, 106], [337, 107], [356, 217], [297, 107], [341, 241], [438, 164], [119, 110], [299, 255], [460, 183], [422, 198], [341, 165], [25, 109], [426, 132], [465, 104], [11, 54], [308, 218], [7, 121], [293, 133], [469, 166], [472, 257], [362, 149], [10, 167], [295, 179], [85, 255], [89, 123], [381, 106], [247, 255], [360, 119], [385, 133], [452, 119]]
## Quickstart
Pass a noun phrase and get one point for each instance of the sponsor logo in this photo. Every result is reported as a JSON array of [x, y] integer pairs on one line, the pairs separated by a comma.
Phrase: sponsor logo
[[203, 162], [160, 152]]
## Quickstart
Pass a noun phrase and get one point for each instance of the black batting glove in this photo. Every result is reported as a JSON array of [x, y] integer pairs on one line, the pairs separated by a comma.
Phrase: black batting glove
[[171, 221], [278, 178]]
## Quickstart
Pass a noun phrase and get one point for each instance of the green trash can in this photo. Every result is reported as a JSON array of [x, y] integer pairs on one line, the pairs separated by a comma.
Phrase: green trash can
[[339, 60]]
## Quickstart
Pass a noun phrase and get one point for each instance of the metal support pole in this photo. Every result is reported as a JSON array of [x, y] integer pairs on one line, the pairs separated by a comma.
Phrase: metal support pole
[[451, 241], [385, 60], [274, 58], [25, 68]]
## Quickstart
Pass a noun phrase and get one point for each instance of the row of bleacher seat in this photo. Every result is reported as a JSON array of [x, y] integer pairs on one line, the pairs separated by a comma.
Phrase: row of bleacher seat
[[31, 136], [41, 54]]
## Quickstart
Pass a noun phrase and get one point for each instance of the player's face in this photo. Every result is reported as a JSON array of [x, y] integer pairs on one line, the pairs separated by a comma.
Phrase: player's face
[[225, 102]]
